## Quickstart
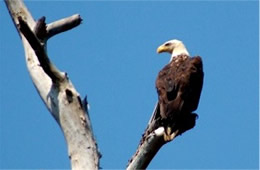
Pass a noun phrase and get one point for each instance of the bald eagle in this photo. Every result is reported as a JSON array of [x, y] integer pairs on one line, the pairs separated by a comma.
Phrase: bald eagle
[[179, 86]]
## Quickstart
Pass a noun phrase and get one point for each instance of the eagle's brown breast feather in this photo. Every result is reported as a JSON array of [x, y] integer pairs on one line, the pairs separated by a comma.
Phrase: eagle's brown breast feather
[[179, 86]]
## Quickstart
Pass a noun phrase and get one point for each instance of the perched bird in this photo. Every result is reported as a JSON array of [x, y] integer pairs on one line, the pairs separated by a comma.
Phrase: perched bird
[[179, 86]]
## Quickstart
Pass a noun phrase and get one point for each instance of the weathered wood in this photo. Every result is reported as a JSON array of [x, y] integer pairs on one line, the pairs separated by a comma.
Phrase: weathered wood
[[54, 86], [151, 142], [63, 25]]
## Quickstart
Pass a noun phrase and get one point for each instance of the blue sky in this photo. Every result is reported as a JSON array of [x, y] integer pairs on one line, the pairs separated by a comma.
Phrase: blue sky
[[112, 57]]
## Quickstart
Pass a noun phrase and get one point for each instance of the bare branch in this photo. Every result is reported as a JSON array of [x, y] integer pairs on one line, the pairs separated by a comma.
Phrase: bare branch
[[151, 142], [144, 155], [47, 66], [63, 25], [148, 149], [154, 137]]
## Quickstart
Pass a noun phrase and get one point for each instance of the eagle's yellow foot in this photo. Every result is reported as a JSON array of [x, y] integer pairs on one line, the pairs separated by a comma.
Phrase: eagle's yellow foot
[[168, 135]]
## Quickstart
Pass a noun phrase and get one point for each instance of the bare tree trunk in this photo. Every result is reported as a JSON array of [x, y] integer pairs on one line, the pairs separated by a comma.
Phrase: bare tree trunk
[[54, 86]]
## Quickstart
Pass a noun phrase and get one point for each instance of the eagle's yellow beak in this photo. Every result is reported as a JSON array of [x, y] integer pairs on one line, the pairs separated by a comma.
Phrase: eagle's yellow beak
[[162, 48]]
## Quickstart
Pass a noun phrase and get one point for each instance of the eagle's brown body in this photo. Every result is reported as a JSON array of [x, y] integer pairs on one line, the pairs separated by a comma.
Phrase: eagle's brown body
[[179, 86]]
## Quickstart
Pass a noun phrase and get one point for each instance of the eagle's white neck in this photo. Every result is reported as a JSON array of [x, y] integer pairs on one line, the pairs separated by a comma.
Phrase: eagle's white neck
[[178, 50]]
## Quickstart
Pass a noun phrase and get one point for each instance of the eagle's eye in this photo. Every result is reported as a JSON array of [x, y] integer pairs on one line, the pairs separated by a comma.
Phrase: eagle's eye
[[167, 44]]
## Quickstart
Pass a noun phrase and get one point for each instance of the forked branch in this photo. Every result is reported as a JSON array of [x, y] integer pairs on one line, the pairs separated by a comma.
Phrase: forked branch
[[38, 48], [54, 87]]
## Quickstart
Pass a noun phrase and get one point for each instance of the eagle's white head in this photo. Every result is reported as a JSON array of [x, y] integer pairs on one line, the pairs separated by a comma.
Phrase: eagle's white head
[[174, 47]]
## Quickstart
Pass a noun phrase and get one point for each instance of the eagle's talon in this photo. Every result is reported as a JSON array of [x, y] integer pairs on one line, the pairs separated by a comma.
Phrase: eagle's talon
[[168, 136]]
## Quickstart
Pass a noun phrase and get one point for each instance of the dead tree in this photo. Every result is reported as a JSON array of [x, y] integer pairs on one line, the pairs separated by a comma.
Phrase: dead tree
[[54, 86], [62, 99]]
